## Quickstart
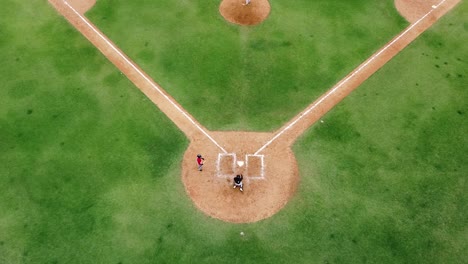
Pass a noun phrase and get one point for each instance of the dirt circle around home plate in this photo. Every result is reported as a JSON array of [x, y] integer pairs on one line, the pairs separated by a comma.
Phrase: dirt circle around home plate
[[270, 177], [238, 12]]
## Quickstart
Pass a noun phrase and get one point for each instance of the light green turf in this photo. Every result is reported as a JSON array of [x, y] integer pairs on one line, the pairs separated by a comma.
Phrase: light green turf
[[247, 78], [90, 168], [79, 145]]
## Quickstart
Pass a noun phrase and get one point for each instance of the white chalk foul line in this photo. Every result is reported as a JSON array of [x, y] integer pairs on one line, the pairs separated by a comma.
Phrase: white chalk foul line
[[157, 88], [342, 82]]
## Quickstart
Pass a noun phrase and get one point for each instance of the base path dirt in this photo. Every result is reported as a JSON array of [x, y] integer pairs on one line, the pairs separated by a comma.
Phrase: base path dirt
[[265, 159]]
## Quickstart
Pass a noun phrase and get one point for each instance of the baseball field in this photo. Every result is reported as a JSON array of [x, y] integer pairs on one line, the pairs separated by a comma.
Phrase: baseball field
[[357, 140]]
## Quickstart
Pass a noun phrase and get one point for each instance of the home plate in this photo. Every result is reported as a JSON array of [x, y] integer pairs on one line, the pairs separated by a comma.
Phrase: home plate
[[240, 163]]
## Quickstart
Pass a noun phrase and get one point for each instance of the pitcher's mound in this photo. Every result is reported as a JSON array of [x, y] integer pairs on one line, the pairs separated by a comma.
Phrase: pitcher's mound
[[235, 11]]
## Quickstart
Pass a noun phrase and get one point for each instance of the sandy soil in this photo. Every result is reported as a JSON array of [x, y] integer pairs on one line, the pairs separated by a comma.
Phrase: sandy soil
[[210, 192]]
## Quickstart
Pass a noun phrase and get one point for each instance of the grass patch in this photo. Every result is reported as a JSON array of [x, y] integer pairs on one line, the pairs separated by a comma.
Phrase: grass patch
[[389, 161]]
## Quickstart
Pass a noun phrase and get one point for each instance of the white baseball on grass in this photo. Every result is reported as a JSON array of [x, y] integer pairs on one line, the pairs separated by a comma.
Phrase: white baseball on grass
[[241, 233]]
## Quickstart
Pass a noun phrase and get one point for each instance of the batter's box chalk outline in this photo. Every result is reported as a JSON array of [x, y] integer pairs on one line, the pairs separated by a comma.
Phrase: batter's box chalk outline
[[218, 165], [262, 166]]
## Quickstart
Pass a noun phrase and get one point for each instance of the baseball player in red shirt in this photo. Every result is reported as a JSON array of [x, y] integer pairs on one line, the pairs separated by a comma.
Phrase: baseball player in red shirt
[[200, 161]]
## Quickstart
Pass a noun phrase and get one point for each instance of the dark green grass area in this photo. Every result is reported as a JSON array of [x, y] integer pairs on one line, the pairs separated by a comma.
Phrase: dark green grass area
[[234, 77], [388, 180], [82, 151], [90, 168]]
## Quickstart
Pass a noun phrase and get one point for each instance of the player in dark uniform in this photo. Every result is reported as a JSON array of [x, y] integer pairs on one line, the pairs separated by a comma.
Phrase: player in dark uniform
[[238, 182]]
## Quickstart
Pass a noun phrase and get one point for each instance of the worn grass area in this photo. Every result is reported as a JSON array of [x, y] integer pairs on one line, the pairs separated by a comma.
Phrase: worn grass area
[[247, 78]]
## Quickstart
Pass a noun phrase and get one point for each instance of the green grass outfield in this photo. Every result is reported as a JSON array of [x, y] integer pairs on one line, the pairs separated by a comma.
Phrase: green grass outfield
[[90, 168], [259, 76]]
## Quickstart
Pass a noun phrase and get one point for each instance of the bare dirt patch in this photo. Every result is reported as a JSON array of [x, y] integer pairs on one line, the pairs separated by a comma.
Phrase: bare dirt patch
[[237, 12]]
